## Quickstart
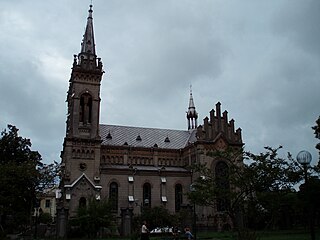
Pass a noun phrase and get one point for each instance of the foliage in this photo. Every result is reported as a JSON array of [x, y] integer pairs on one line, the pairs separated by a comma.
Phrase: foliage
[[309, 195], [316, 129], [273, 179], [18, 177], [21, 175], [271, 172], [261, 184], [156, 217], [45, 218], [48, 175], [91, 218]]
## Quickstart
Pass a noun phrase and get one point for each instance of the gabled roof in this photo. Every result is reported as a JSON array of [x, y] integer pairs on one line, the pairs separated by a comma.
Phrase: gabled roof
[[83, 175], [114, 135]]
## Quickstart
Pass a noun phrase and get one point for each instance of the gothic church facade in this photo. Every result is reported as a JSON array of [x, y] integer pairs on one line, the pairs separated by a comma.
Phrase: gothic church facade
[[134, 167]]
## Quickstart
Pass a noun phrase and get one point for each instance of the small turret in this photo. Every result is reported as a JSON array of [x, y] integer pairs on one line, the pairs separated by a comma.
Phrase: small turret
[[192, 114]]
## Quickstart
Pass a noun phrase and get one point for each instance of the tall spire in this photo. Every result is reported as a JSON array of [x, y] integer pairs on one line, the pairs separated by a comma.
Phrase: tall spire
[[87, 45], [84, 88], [87, 58], [192, 114]]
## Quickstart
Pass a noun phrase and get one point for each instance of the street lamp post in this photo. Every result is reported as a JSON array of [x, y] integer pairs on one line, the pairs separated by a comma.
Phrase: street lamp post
[[194, 217], [304, 158]]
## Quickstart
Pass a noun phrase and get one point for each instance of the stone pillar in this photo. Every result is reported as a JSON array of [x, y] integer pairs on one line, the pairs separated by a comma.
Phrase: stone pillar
[[126, 221], [62, 220]]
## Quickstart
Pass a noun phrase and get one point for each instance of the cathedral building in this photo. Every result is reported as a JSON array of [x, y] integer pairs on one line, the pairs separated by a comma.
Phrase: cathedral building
[[133, 167]]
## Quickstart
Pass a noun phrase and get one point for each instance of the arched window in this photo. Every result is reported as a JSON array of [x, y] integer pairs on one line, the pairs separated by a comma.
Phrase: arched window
[[146, 195], [178, 197], [85, 110], [113, 196], [223, 185], [82, 202]]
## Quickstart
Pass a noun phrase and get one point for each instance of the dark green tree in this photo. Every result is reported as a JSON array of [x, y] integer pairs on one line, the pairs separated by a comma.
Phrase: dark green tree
[[251, 189], [316, 129], [48, 176], [273, 179], [158, 217], [92, 218], [22, 176], [18, 178]]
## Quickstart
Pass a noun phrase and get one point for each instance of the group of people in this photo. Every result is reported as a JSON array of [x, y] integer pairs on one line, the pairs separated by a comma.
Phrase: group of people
[[175, 231]]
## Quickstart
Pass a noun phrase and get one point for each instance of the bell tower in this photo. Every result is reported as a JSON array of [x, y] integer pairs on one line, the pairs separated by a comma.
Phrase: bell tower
[[82, 143], [84, 89]]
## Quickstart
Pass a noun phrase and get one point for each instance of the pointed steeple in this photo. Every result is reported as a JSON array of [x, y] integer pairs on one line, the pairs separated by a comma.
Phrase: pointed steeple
[[87, 57], [87, 45], [192, 114], [84, 88]]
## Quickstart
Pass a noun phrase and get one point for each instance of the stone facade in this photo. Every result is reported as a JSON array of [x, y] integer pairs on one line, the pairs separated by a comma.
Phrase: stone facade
[[132, 166]]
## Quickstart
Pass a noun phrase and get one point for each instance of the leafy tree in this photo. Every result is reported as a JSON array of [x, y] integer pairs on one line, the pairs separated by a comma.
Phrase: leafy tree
[[316, 129], [45, 218], [253, 188], [158, 217], [18, 177], [273, 179], [21, 175], [48, 176], [309, 195], [91, 218]]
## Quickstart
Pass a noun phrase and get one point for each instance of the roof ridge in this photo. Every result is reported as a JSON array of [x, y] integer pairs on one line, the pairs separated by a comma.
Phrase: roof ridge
[[114, 125], [117, 135]]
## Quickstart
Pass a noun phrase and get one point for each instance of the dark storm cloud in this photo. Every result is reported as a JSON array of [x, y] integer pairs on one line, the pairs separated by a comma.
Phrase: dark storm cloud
[[297, 73], [165, 49], [27, 103], [259, 58], [300, 22], [31, 97]]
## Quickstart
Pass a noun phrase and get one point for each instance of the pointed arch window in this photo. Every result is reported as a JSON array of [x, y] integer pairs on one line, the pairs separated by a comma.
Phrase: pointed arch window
[[146, 195], [223, 185], [113, 196], [85, 111], [178, 197], [82, 202]]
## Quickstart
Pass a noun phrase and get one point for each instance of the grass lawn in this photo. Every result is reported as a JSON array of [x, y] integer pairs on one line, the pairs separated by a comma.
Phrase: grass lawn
[[286, 235], [265, 235], [261, 235]]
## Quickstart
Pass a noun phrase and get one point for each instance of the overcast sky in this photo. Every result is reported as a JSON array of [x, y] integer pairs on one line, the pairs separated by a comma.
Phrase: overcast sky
[[260, 59]]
